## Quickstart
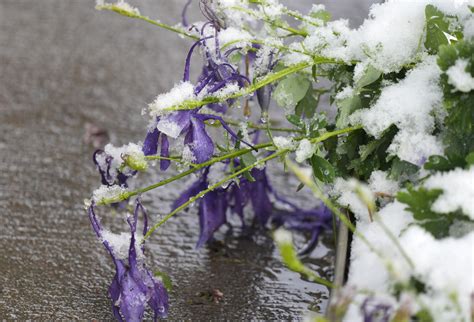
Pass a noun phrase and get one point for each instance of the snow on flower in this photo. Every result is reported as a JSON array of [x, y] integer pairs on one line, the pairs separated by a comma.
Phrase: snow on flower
[[133, 286], [180, 93]]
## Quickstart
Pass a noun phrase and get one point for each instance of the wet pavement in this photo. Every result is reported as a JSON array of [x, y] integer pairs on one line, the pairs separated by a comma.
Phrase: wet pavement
[[64, 65]]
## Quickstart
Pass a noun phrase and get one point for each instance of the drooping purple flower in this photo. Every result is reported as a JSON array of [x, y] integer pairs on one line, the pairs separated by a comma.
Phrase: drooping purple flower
[[109, 175], [258, 193], [374, 311], [133, 286], [213, 207], [312, 222]]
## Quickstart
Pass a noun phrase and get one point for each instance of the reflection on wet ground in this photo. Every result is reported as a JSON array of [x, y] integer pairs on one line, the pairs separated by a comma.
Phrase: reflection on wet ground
[[62, 66]]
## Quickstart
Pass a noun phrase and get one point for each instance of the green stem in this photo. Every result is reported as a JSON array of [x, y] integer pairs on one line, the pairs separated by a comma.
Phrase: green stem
[[273, 23], [270, 78], [211, 188], [231, 155], [175, 159], [262, 127], [126, 195], [130, 14]]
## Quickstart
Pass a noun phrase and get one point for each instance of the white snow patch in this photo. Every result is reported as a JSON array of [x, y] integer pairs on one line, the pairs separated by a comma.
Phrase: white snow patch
[[107, 193], [458, 191], [305, 150], [459, 77], [180, 93]]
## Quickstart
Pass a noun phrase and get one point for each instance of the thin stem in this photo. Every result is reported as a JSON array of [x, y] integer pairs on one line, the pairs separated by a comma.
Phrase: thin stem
[[231, 155], [238, 173], [175, 159], [131, 14], [211, 188], [273, 23], [262, 127], [270, 78]]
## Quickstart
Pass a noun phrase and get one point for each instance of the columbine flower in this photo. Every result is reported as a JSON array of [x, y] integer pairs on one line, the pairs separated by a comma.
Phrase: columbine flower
[[133, 286], [375, 312], [214, 205], [312, 222], [109, 164], [217, 75]]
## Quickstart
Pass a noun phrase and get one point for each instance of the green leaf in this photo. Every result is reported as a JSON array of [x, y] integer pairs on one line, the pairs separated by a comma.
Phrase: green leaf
[[321, 14], [402, 170], [437, 29], [291, 90], [371, 75], [346, 107], [420, 202], [424, 316], [165, 278], [307, 106], [247, 160], [470, 158], [322, 169], [294, 119], [438, 163]]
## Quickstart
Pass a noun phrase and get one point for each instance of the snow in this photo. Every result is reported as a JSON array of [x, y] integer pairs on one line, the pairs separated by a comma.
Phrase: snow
[[445, 265], [170, 128], [346, 92], [469, 29], [272, 9], [180, 93], [120, 243], [227, 90], [380, 183], [415, 148], [304, 151], [458, 191], [414, 114], [459, 77], [238, 37], [117, 153], [375, 41], [284, 143], [105, 193], [343, 190], [188, 155], [120, 4], [283, 236]]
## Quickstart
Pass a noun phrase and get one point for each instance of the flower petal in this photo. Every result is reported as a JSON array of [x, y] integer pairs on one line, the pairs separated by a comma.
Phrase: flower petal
[[212, 214], [200, 143]]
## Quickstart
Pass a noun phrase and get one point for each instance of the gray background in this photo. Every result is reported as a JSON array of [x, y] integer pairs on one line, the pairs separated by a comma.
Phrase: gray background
[[62, 64]]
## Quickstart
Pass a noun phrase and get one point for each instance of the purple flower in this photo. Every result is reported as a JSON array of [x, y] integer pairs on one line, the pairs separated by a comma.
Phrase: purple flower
[[375, 312], [109, 175], [213, 207], [312, 222], [133, 286], [217, 73]]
